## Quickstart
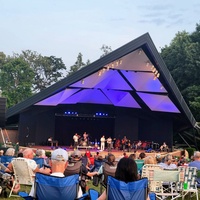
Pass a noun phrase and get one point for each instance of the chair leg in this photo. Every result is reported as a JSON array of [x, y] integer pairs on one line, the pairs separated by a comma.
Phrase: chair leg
[[12, 189]]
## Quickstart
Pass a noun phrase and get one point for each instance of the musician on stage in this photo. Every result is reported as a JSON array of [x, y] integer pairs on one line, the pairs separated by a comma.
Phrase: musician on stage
[[85, 135], [102, 143], [138, 145], [164, 147], [109, 143], [75, 138], [124, 143]]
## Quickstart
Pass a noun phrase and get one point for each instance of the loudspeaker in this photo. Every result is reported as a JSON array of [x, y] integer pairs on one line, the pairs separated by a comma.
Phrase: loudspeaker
[[2, 111]]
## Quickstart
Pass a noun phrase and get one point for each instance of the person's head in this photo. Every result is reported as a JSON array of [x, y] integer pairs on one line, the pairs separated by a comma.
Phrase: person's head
[[10, 152], [76, 156], [142, 155], [20, 154], [158, 158], [126, 170], [40, 153], [197, 155], [1, 152], [111, 159], [149, 160], [168, 159], [59, 160], [132, 156], [28, 153]]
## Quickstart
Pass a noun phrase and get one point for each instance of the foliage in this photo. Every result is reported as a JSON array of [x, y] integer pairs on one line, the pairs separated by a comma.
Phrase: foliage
[[182, 57], [106, 50], [15, 80], [190, 151], [78, 64], [22, 75], [47, 70]]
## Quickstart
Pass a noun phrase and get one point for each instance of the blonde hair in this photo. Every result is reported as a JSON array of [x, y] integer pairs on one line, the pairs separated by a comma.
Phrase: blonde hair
[[149, 160]]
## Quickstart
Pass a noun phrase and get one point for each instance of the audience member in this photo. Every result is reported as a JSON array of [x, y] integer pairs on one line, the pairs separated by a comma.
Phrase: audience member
[[149, 160], [126, 171], [84, 171], [132, 156], [1, 152], [196, 162], [58, 164], [142, 155], [10, 152], [168, 164]]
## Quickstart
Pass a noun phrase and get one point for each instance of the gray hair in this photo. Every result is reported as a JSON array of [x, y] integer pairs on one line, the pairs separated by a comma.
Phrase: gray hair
[[10, 152], [40, 152], [197, 154]]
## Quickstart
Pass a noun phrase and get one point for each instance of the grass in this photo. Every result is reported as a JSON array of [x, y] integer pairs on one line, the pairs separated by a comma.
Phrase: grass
[[89, 185]]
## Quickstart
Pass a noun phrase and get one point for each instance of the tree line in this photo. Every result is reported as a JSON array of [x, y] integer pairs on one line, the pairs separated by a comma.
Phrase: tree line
[[24, 74]]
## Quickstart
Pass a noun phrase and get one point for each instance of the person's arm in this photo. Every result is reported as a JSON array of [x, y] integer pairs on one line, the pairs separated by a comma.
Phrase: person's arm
[[8, 169], [103, 196], [90, 174]]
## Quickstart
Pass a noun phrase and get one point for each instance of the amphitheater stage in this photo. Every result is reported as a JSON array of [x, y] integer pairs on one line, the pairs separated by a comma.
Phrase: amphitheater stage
[[117, 153]]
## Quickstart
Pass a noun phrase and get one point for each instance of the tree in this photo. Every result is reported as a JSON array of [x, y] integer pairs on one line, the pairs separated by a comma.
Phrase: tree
[[2, 58], [47, 70], [182, 57], [78, 64], [106, 50], [16, 80]]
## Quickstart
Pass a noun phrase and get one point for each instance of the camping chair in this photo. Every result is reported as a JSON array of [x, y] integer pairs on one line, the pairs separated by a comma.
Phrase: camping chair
[[165, 183], [55, 188], [40, 161], [6, 159], [146, 173], [93, 194], [126, 191], [108, 170], [23, 174], [190, 179]]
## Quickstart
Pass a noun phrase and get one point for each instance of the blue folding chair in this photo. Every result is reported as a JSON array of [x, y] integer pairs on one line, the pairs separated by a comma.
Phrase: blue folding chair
[[126, 191], [93, 194], [6, 160], [40, 161], [55, 188]]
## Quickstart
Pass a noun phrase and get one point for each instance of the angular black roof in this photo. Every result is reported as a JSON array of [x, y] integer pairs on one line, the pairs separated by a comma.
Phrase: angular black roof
[[133, 76]]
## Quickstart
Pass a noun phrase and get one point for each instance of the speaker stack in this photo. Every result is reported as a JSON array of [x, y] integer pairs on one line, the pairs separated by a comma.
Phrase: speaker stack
[[2, 112]]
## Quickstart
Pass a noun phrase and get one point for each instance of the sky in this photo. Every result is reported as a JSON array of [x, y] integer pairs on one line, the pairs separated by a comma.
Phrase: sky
[[63, 28]]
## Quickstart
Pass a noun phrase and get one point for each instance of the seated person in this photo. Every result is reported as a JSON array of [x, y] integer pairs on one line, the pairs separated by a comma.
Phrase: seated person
[[28, 157], [76, 157], [138, 145], [164, 147], [168, 163], [58, 164], [126, 171]]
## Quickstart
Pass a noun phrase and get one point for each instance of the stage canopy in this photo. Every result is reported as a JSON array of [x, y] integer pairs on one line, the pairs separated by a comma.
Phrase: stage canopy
[[133, 77]]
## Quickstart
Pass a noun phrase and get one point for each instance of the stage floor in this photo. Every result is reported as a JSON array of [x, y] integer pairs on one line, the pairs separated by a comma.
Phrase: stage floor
[[117, 153]]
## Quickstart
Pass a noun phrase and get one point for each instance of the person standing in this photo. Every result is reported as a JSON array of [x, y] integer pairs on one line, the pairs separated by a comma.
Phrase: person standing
[[109, 143], [124, 143], [75, 138], [102, 143]]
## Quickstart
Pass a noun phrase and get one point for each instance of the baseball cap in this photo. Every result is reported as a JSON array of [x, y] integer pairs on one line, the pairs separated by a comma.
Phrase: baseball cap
[[76, 153], [60, 155]]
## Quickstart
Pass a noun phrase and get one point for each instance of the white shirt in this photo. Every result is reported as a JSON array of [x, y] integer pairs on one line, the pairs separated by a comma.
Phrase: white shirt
[[103, 139], [75, 138]]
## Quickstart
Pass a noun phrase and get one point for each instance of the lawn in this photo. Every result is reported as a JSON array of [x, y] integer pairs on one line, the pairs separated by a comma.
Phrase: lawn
[[89, 185]]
